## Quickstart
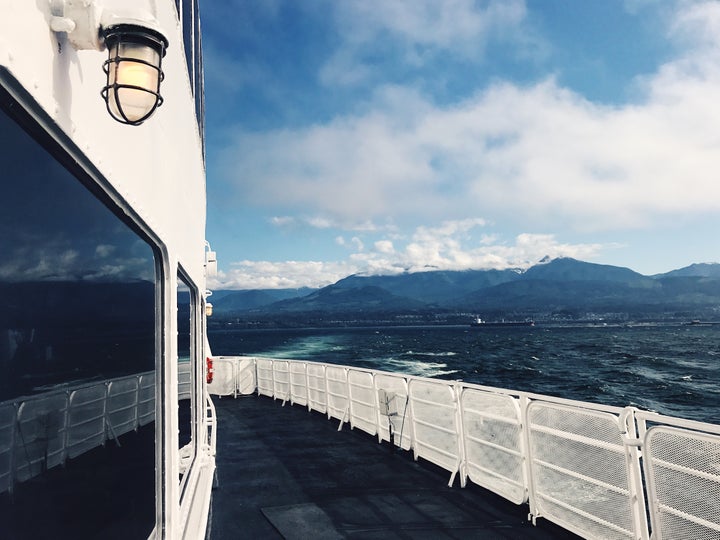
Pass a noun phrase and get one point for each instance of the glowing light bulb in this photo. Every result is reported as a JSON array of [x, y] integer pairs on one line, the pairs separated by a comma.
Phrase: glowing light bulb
[[133, 84]]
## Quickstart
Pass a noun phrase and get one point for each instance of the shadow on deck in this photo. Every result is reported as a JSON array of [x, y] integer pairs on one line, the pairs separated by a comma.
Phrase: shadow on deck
[[284, 472]]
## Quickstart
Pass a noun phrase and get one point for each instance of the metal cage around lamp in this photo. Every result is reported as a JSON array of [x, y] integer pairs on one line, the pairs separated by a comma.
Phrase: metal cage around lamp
[[134, 72]]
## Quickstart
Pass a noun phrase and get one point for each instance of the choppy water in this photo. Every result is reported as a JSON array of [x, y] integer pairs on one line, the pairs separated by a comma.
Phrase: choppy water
[[673, 370]]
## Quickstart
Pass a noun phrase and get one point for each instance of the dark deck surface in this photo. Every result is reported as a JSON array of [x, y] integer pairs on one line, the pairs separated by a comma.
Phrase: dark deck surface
[[284, 472]]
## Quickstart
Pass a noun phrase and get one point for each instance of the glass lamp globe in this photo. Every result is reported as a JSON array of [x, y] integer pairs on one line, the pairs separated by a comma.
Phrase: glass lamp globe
[[134, 72]]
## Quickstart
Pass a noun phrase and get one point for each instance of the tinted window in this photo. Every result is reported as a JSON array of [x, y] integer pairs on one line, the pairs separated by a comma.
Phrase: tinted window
[[186, 312], [77, 353], [187, 26], [199, 79]]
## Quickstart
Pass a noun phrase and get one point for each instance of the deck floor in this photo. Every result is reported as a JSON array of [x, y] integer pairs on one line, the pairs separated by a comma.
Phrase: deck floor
[[284, 472]]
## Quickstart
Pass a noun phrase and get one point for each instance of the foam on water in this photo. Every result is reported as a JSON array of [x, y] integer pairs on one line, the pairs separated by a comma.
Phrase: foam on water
[[674, 371], [416, 367]]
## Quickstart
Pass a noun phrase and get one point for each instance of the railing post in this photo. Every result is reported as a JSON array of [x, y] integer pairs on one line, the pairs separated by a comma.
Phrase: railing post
[[257, 375], [307, 387], [136, 420], [460, 419], [327, 391], [628, 427], [406, 413], [66, 432], [349, 394], [272, 378], [412, 420], [16, 421], [377, 411], [527, 456]]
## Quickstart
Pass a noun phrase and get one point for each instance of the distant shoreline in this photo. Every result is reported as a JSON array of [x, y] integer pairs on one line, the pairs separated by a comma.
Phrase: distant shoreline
[[340, 325]]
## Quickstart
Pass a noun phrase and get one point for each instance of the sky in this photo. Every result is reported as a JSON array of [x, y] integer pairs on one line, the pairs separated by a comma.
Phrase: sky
[[386, 136]]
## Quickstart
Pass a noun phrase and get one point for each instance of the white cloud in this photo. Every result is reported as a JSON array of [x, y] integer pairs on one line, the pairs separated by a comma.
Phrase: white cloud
[[326, 222], [435, 249], [104, 250], [357, 243], [280, 275], [417, 30], [446, 247], [540, 155], [282, 221], [384, 246]]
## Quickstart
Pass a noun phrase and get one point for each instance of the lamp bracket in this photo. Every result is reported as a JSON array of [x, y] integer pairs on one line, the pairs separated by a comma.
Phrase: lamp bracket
[[80, 20], [84, 22]]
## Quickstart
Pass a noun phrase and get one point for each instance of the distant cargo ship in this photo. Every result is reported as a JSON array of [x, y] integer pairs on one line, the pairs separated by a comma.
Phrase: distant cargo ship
[[479, 322]]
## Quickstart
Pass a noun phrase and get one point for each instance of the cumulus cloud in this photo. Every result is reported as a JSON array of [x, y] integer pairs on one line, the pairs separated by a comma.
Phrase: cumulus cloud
[[280, 275], [104, 250], [326, 222], [539, 154], [450, 246], [384, 246], [417, 31]]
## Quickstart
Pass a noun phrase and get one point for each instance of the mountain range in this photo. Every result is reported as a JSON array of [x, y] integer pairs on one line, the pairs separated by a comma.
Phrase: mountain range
[[551, 289]]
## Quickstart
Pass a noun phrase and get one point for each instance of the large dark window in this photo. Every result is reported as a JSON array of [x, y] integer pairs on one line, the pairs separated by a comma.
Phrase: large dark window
[[186, 345], [192, 43], [77, 350], [187, 377]]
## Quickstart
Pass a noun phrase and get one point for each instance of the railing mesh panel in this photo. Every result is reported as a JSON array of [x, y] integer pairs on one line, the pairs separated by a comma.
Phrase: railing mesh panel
[[281, 379], [493, 443], [684, 482], [337, 392], [7, 441], [579, 470], [298, 383], [40, 437], [224, 381], [184, 380], [245, 373], [363, 404], [146, 399], [265, 377], [396, 387], [122, 405], [434, 414], [86, 420], [317, 396]]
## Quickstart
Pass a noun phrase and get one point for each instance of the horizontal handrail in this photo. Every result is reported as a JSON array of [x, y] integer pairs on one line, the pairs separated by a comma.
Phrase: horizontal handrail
[[576, 463], [44, 430]]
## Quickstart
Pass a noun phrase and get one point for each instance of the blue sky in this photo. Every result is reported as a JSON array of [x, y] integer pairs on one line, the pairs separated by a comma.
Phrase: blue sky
[[379, 136]]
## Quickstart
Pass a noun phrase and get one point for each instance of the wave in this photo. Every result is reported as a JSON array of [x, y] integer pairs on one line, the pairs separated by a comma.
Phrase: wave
[[439, 354], [415, 367]]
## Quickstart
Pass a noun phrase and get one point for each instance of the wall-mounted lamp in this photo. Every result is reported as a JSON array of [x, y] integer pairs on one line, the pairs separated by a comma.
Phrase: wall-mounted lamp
[[135, 46], [208, 305], [134, 72]]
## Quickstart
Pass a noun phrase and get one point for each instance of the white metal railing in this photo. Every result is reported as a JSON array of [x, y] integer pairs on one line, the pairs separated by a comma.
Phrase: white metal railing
[[581, 465], [682, 470], [43, 431], [184, 380]]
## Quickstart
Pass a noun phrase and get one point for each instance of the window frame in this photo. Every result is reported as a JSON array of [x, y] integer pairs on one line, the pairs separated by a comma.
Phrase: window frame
[[22, 107], [195, 349]]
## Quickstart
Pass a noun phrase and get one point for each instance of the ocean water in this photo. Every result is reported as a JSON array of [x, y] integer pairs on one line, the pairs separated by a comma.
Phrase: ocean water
[[672, 370]]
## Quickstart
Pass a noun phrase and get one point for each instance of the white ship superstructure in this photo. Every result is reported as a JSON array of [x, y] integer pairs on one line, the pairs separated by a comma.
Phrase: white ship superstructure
[[103, 271]]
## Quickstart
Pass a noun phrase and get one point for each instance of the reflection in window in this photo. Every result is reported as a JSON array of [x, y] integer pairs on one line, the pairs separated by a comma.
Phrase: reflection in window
[[77, 354], [185, 312], [192, 43]]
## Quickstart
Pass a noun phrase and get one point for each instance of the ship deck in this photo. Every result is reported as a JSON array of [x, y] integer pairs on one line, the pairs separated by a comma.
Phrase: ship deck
[[285, 472]]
